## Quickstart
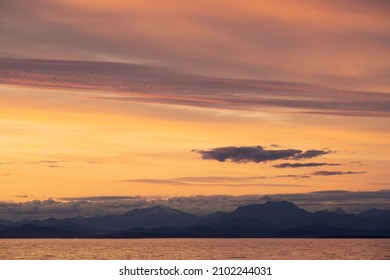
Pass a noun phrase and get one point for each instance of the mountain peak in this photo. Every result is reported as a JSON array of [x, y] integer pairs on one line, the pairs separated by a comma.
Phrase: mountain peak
[[340, 211], [280, 203], [280, 207], [154, 210], [274, 212], [29, 226], [163, 209]]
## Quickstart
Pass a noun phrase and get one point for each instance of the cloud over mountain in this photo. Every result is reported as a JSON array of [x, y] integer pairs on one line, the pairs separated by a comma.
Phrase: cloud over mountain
[[103, 205]]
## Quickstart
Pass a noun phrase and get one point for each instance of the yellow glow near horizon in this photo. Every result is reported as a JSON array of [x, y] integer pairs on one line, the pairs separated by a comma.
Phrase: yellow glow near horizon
[[57, 143]]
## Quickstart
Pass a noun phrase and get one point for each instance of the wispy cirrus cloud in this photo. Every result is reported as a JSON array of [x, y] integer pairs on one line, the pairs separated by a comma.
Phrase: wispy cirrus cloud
[[51, 163], [147, 84], [156, 181], [214, 181], [299, 165], [333, 173], [237, 181], [55, 166]]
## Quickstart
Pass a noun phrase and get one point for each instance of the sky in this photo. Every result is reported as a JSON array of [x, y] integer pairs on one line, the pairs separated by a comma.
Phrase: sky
[[106, 106]]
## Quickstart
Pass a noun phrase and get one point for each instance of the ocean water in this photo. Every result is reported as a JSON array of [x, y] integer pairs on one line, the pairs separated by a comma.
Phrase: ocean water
[[176, 249]]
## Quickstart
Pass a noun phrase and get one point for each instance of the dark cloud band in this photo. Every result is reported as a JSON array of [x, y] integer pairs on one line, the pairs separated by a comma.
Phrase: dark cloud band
[[333, 173], [299, 165], [256, 154]]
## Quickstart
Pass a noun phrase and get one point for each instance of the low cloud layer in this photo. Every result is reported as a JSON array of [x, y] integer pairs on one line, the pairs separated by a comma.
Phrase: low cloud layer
[[199, 205], [257, 154]]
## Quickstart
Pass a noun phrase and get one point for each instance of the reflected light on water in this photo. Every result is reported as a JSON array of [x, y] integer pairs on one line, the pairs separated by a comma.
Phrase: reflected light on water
[[177, 249]]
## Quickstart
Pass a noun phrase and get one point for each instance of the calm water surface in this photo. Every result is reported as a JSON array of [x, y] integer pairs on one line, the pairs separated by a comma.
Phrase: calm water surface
[[121, 249]]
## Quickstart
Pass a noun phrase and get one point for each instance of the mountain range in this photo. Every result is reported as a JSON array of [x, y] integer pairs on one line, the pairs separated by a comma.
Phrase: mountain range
[[271, 219]]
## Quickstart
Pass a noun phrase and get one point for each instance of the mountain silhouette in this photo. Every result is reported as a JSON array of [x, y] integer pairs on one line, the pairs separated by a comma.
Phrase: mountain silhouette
[[3, 226], [285, 214], [156, 216], [246, 227], [6, 222], [376, 214], [325, 230], [282, 213], [33, 231], [147, 218], [271, 219]]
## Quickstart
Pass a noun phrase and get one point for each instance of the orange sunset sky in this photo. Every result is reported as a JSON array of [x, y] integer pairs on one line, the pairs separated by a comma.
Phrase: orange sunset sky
[[192, 98]]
